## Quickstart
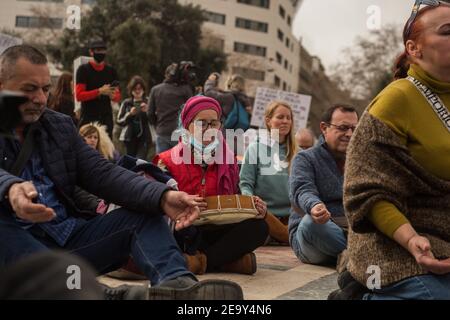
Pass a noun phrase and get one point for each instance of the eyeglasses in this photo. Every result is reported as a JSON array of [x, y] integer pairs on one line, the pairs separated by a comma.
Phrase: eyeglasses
[[204, 124], [415, 11], [343, 127]]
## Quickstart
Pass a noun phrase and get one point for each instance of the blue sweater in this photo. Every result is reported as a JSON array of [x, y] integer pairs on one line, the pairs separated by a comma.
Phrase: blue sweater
[[315, 178]]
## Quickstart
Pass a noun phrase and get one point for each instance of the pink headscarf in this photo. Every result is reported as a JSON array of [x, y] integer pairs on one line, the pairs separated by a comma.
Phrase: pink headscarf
[[228, 174], [197, 104]]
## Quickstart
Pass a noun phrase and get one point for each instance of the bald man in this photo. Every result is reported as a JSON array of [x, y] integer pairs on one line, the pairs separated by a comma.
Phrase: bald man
[[304, 139]]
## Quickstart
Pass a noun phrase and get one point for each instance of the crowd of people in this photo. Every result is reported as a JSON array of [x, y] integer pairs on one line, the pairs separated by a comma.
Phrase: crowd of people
[[372, 190]]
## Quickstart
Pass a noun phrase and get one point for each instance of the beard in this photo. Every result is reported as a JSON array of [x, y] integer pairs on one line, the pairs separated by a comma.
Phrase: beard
[[31, 113]]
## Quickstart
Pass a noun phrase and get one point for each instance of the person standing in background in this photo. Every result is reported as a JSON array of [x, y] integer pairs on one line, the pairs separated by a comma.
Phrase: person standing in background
[[97, 86], [133, 118]]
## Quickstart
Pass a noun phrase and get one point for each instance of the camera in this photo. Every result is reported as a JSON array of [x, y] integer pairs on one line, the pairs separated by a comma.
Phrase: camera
[[184, 73], [9, 110]]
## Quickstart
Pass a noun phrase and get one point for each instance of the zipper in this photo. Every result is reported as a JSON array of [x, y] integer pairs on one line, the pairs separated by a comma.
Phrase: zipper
[[203, 182]]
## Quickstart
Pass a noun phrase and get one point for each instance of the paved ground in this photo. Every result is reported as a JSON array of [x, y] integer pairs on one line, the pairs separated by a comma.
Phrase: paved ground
[[280, 276]]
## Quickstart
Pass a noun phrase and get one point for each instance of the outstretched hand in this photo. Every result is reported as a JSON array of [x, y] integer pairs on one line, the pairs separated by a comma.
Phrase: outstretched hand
[[21, 197], [181, 208]]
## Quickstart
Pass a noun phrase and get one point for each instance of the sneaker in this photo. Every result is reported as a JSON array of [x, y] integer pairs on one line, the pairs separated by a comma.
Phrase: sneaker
[[125, 292], [203, 290]]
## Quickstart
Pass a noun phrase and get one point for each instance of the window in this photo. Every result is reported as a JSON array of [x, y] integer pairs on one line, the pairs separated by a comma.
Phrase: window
[[250, 49], [257, 3], [280, 35], [38, 22], [282, 12], [286, 64], [289, 20], [277, 81], [279, 58], [249, 73], [252, 25], [288, 42], [215, 17], [284, 86]]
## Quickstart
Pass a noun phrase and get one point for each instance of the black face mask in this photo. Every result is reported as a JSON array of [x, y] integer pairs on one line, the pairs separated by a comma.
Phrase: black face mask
[[99, 57]]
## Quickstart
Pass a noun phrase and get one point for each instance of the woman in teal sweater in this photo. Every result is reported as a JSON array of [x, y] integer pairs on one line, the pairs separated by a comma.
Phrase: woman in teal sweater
[[265, 171]]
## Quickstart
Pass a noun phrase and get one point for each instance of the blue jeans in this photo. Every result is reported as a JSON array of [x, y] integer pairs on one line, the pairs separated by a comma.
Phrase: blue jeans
[[318, 243], [426, 287], [106, 242], [164, 143]]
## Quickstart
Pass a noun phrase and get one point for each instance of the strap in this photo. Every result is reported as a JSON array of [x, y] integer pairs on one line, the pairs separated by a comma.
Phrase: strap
[[236, 105], [435, 102], [238, 202], [25, 152], [219, 205]]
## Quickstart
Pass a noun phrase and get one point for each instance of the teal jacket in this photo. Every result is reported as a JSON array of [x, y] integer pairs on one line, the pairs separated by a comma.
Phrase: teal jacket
[[266, 179]]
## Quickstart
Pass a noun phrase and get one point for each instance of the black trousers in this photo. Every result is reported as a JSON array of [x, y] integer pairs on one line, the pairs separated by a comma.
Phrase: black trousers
[[223, 244]]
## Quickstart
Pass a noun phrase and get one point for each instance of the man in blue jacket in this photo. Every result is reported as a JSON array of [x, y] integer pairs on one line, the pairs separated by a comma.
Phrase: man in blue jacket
[[37, 207], [316, 190]]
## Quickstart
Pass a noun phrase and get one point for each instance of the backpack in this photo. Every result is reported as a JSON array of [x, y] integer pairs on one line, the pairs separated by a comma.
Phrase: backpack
[[238, 118]]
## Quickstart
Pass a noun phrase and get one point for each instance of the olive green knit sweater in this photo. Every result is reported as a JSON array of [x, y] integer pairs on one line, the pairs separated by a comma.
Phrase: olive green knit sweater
[[379, 167]]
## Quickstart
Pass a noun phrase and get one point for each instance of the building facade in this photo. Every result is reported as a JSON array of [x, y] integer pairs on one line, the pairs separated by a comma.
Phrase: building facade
[[257, 37], [25, 15], [325, 93]]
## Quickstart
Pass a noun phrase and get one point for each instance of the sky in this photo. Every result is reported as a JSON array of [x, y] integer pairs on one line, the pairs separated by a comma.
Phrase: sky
[[325, 27]]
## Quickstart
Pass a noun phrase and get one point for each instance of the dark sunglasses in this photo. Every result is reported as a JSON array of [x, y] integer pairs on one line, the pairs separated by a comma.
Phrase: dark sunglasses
[[342, 128], [416, 9]]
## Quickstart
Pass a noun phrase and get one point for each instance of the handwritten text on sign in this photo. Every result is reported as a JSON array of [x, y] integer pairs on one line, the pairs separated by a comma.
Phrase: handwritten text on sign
[[300, 104]]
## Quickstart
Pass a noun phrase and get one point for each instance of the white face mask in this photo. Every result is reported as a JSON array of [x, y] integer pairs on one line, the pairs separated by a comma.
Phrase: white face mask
[[201, 152]]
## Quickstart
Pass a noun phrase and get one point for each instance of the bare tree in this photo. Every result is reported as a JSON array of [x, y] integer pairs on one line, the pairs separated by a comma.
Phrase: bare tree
[[367, 66]]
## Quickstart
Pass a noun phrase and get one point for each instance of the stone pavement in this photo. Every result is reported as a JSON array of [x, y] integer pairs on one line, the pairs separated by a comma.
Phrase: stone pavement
[[280, 276]]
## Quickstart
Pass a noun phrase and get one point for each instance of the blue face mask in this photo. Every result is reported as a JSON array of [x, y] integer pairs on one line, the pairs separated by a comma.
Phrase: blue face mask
[[204, 149]]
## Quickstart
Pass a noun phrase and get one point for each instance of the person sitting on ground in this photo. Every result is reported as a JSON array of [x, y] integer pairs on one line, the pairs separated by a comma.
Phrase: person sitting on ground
[[397, 189], [97, 138], [269, 180], [304, 139], [226, 248], [316, 227], [38, 212], [133, 118]]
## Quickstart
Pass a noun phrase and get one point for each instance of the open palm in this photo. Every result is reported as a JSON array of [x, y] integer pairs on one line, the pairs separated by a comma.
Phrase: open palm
[[181, 208]]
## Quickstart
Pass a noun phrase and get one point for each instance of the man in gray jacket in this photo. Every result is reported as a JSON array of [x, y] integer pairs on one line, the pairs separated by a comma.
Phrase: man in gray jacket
[[164, 105], [316, 181]]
